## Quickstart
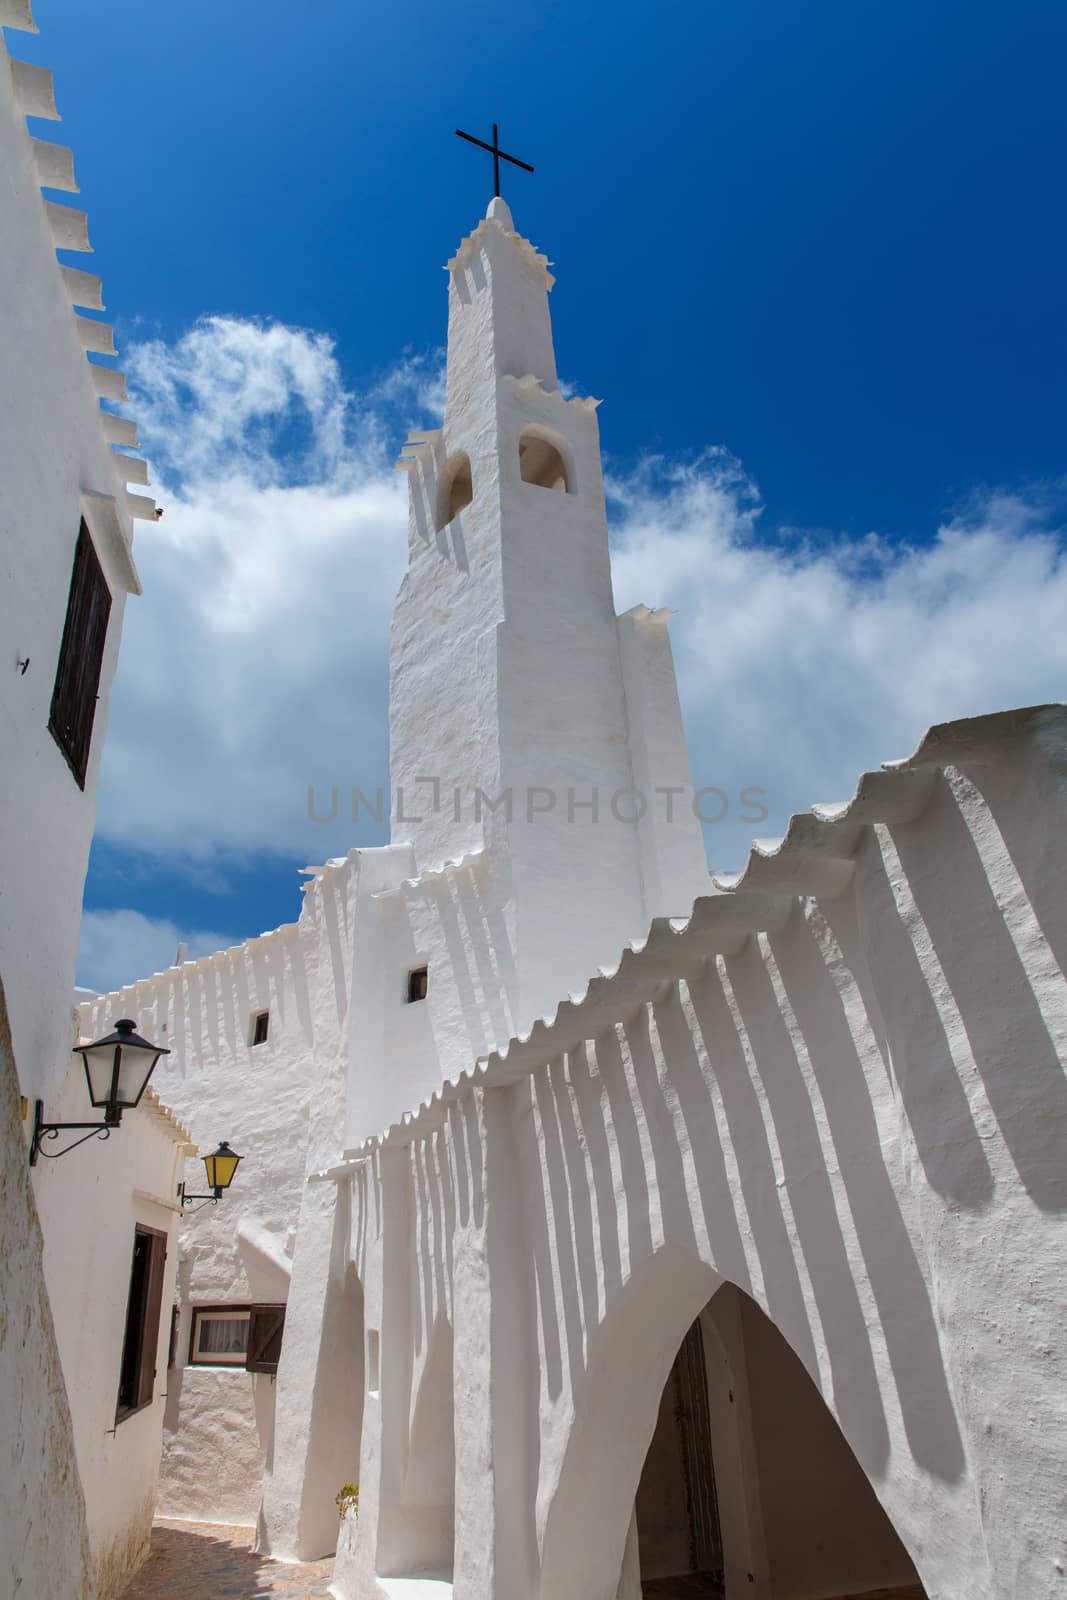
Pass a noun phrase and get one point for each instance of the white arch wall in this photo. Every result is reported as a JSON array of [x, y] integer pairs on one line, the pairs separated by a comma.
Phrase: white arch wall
[[281, 1105], [856, 1120]]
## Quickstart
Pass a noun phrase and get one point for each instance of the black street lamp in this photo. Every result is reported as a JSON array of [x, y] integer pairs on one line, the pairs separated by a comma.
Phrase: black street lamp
[[117, 1070], [220, 1167]]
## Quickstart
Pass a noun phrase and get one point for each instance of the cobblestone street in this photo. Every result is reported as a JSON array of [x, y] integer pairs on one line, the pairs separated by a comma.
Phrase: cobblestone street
[[211, 1561]]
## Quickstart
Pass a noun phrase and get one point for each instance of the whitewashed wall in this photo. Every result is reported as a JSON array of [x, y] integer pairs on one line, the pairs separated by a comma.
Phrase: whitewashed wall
[[857, 1115], [89, 1202], [53, 454], [259, 1098], [44, 1543]]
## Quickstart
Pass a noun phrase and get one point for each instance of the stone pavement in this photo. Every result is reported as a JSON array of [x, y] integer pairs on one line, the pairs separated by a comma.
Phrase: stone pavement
[[212, 1561]]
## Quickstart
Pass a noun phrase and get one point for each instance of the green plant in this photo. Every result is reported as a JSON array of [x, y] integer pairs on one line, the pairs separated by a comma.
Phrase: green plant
[[348, 1500]]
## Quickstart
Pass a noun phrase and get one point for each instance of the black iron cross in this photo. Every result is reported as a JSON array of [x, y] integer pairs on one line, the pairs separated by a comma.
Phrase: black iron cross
[[497, 154]]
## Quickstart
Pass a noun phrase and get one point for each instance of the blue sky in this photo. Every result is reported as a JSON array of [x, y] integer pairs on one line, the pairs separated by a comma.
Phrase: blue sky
[[812, 258]]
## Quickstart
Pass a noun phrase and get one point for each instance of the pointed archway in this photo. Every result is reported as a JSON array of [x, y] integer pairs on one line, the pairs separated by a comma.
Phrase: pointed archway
[[743, 1485], [798, 1517]]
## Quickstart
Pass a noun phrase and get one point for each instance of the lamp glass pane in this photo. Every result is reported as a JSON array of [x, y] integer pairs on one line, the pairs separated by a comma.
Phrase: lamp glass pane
[[99, 1061], [136, 1058], [220, 1167], [135, 1069]]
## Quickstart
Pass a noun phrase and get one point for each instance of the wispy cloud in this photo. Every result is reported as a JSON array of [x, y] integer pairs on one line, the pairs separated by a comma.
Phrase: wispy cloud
[[801, 663], [255, 665], [120, 946]]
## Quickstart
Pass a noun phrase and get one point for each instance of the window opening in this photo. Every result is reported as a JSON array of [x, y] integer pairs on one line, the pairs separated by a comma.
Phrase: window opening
[[81, 656], [220, 1336], [260, 1026], [418, 983]]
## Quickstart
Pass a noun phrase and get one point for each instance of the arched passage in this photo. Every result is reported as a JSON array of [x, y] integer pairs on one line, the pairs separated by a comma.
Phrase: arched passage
[[629, 1362], [704, 1462]]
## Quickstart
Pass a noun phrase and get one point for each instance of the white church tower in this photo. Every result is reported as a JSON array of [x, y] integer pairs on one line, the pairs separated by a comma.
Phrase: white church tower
[[532, 728]]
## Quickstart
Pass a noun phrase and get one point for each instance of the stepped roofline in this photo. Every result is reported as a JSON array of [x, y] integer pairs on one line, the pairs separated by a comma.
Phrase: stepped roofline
[[815, 858], [33, 95]]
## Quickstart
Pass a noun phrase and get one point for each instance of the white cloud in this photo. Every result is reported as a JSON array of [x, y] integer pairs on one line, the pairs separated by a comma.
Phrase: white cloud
[[801, 664], [255, 665], [118, 947]]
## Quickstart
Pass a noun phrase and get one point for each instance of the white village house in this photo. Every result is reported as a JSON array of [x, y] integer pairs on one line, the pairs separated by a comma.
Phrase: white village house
[[618, 1230], [635, 1231], [85, 1270]]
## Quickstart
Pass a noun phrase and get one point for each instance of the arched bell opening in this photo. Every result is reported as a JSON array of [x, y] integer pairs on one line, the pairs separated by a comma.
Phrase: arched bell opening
[[541, 462], [455, 489]]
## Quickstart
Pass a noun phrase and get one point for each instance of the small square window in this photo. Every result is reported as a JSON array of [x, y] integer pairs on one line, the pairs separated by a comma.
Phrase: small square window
[[260, 1027], [418, 983], [220, 1336]]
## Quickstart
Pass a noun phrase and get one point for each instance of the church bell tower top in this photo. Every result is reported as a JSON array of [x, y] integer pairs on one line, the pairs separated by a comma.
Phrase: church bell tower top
[[498, 220], [500, 211]]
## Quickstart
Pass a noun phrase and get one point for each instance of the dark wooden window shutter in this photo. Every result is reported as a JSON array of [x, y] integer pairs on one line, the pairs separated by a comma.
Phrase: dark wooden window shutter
[[137, 1374], [81, 656], [153, 1306], [266, 1325]]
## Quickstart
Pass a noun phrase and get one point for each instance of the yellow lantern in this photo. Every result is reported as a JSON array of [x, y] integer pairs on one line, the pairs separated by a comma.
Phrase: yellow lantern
[[220, 1167]]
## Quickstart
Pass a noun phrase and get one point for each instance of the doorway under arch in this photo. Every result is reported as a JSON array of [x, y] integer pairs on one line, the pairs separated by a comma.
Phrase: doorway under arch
[[773, 1476], [749, 1486]]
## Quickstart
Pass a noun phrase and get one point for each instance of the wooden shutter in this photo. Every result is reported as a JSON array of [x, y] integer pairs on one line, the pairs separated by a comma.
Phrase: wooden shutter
[[81, 656], [265, 1327], [153, 1304], [137, 1370]]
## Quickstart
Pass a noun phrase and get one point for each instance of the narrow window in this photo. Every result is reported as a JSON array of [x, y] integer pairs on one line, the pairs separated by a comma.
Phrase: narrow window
[[266, 1324], [418, 983], [455, 489], [260, 1026], [373, 1360], [81, 657], [220, 1336], [137, 1374], [541, 463], [172, 1348]]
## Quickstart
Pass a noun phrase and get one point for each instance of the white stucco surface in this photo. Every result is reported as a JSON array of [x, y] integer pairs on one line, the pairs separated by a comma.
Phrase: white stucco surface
[[854, 1113], [53, 455], [239, 1252], [44, 1543], [56, 467], [89, 1203]]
